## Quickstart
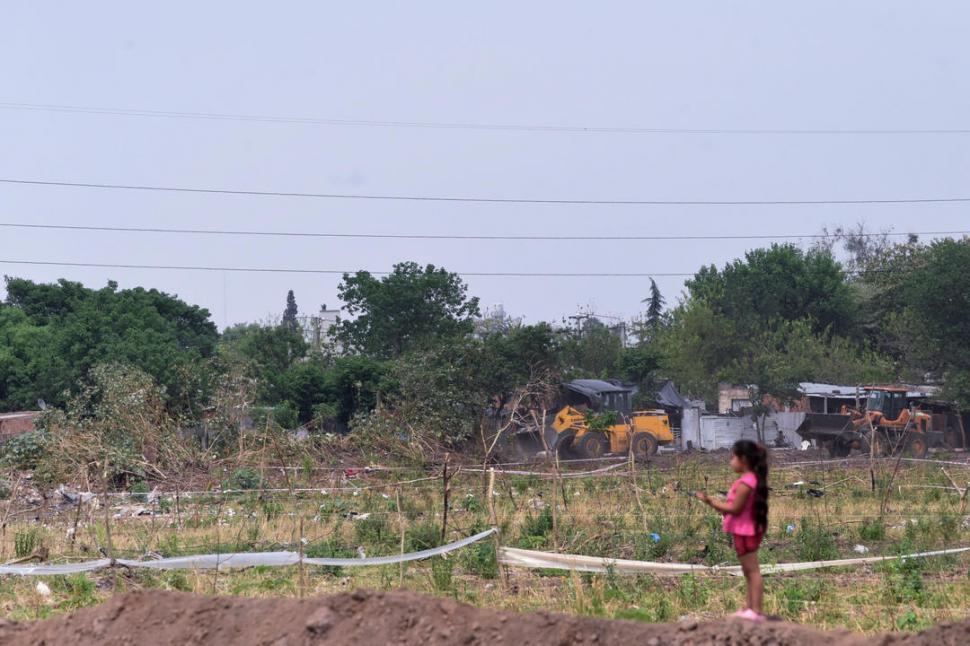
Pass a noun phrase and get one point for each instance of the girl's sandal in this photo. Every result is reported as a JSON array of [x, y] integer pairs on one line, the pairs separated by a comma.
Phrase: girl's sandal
[[751, 615]]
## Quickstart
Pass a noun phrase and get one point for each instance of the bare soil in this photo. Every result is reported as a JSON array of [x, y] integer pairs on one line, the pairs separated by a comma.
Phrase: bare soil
[[150, 618]]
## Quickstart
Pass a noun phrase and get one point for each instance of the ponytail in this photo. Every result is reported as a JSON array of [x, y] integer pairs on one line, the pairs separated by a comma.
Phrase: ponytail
[[756, 457]]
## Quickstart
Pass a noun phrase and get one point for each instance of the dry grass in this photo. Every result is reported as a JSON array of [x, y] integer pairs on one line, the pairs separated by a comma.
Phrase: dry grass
[[611, 515]]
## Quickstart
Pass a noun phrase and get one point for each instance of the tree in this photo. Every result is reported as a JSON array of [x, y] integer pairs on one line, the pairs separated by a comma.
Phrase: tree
[[408, 309], [936, 317], [57, 332], [780, 283], [776, 361], [594, 352], [269, 350], [655, 304], [289, 314]]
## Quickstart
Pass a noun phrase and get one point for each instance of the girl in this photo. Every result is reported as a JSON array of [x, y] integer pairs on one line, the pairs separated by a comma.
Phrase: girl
[[746, 517]]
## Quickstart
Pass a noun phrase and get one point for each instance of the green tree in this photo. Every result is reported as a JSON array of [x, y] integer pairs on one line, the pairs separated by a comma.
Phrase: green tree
[[594, 352], [56, 333], [270, 350], [289, 314], [779, 283], [655, 305], [410, 308], [936, 316]]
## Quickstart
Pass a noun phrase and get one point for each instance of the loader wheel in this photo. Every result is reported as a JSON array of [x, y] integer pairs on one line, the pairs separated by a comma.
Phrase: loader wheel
[[915, 446], [881, 444], [565, 445], [839, 448], [592, 445], [644, 445]]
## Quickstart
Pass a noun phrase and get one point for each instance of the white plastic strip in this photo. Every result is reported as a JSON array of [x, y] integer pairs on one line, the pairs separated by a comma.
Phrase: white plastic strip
[[236, 560], [547, 560], [54, 570]]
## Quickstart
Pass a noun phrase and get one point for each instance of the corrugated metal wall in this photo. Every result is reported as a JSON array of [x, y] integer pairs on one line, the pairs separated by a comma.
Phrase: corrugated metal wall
[[719, 432]]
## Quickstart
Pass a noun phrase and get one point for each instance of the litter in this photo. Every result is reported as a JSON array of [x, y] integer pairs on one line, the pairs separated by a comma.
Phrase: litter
[[860, 549]]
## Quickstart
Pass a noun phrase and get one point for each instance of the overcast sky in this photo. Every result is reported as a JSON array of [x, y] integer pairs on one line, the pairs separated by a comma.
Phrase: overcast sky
[[871, 64]]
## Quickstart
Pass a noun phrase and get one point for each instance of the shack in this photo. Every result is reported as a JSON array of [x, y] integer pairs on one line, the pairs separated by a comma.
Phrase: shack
[[18, 423]]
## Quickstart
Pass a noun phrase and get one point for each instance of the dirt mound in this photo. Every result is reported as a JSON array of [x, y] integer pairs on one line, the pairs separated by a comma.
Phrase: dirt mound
[[362, 618]]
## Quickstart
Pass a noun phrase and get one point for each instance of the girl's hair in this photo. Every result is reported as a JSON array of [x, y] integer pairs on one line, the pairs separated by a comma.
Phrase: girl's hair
[[756, 457]]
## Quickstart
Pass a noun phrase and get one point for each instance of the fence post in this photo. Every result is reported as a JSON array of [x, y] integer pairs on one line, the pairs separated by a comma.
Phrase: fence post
[[400, 521], [302, 569]]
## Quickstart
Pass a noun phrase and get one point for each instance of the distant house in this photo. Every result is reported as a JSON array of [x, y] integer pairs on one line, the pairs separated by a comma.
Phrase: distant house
[[812, 397], [13, 424]]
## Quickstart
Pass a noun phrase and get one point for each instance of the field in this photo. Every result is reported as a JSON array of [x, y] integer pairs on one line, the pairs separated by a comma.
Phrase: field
[[820, 510]]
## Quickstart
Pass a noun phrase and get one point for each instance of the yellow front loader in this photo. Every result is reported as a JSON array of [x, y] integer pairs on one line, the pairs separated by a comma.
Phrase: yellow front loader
[[597, 419]]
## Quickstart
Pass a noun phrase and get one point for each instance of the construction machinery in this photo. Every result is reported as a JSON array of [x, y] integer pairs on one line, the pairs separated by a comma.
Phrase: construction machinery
[[597, 418], [887, 420]]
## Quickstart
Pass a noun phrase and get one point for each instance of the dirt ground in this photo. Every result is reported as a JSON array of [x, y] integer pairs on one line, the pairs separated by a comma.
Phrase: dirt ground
[[362, 618]]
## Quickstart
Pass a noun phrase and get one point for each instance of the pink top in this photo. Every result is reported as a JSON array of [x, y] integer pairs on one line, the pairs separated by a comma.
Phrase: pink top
[[742, 524]]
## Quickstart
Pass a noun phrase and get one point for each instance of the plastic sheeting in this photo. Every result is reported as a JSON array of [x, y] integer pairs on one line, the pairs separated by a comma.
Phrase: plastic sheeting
[[547, 560], [236, 560]]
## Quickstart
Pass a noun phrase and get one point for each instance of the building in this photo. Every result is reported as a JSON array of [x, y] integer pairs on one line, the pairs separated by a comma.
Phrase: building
[[317, 329], [13, 424]]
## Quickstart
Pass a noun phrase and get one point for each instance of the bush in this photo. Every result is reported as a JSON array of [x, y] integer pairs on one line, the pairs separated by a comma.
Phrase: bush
[[331, 548], [872, 530], [422, 536], [286, 415], [25, 543], [139, 492], [24, 451], [815, 542], [245, 478]]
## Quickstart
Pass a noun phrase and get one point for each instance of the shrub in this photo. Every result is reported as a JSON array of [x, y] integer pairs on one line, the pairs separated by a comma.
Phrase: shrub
[[815, 542], [25, 543], [24, 451], [245, 478]]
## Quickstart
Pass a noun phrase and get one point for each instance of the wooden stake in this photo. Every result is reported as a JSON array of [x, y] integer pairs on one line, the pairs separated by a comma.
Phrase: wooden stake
[[77, 519], [302, 568], [178, 509], [962, 492], [400, 521], [447, 495]]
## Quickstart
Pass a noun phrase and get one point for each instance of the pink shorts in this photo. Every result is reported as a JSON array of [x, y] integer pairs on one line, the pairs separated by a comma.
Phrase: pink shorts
[[747, 544]]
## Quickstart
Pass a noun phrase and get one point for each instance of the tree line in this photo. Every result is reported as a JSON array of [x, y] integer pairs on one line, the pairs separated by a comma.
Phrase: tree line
[[417, 360]]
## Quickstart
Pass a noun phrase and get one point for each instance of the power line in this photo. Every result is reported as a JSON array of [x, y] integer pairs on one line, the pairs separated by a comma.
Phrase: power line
[[274, 270], [290, 270], [485, 200], [449, 125], [416, 236]]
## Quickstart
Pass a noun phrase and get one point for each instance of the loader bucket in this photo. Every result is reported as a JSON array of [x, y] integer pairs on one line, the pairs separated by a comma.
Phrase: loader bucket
[[824, 426]]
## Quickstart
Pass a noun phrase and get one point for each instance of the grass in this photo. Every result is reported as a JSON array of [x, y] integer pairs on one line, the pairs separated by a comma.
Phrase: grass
[[602, 516]]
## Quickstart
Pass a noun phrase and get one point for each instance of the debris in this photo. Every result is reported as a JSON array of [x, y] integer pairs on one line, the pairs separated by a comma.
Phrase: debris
[[790, 528], [860, 549], [42, 589], [815, 493], [73, 497], [655, 537]]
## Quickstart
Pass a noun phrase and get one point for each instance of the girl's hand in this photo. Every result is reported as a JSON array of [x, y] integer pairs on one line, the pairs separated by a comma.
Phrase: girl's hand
[[702, 496]]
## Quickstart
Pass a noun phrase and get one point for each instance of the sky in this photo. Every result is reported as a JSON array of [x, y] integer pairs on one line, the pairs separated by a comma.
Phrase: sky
[[821, 65]]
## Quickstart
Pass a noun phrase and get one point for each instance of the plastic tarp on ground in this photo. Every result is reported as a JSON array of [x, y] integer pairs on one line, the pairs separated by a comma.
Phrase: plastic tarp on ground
[[236, 560], [546, 560]]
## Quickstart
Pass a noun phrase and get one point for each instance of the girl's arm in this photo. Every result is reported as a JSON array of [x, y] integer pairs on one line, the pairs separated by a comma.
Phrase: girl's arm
[[734, 507]]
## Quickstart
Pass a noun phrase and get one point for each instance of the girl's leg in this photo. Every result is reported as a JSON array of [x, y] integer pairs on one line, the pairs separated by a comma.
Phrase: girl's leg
[[752, 574]]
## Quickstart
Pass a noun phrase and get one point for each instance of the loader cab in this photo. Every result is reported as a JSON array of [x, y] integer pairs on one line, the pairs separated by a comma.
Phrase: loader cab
[[598, 395], [890, 401]]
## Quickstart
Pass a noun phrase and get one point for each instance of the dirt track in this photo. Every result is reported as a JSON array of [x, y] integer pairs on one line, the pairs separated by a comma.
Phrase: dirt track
[[364, 618]]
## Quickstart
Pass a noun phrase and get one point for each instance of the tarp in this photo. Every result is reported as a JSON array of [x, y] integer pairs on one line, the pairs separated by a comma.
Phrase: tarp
[[668, 396], [236, 560], [547, 560]]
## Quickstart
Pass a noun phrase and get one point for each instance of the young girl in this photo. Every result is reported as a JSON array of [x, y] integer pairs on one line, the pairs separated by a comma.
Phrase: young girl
[[746, 517]]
